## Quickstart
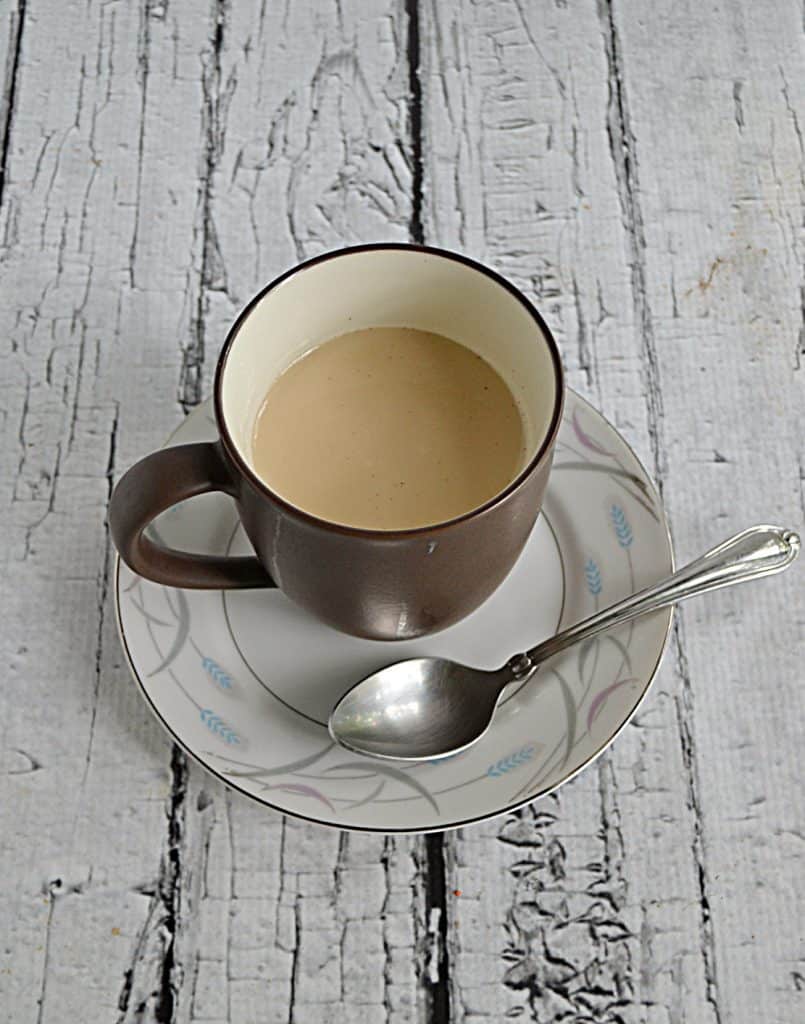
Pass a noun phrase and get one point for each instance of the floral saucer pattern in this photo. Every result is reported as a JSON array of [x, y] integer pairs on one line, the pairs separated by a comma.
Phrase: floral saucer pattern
[[244, 680]]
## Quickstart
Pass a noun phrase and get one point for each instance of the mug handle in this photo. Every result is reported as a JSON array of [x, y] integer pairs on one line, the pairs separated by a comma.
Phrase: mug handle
[[150, 487]]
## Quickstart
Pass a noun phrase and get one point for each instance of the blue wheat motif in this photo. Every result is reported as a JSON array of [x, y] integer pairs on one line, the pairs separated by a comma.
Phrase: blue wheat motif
[[593, 576], [218, 727], [623, 530], [221, 678], [511, 761]]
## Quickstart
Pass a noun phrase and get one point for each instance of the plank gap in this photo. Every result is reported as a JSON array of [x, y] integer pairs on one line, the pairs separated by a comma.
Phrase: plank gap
[[10, 88]]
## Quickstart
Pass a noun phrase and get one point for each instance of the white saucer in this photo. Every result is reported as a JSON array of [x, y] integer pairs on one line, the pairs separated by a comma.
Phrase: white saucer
[[244, 680]]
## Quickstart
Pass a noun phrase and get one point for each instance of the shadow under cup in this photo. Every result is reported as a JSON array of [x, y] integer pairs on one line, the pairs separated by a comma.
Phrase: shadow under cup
[[390, 584]]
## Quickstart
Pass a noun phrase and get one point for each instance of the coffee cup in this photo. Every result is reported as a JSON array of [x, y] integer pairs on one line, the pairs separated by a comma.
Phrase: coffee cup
[[383, 584]]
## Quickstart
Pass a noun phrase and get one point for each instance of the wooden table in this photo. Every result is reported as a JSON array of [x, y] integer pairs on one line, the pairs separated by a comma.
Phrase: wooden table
[[638, 169]]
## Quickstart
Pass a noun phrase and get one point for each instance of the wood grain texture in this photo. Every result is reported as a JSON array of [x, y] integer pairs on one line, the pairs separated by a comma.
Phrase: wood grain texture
[[180, 162], [640, 176], [95, 260], [729, 362], [639, 172], [305, 119]]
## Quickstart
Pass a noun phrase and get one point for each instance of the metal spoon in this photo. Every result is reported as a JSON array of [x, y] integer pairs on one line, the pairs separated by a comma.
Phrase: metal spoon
[[427, 708]]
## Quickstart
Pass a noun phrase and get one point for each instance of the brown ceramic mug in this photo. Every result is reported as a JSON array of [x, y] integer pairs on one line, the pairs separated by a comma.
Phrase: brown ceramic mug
[[386, 585]]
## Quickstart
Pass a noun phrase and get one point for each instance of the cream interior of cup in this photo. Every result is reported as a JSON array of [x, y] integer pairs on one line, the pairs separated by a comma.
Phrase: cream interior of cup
[[388, 288]]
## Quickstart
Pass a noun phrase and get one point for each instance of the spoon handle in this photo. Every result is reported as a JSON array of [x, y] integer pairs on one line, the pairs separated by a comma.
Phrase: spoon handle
[[758, 551]]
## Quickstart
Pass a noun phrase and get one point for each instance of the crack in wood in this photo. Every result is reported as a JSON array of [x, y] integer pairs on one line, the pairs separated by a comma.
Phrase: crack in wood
[[684, 717], [129, 975], [799, 352], [737, 89], [155, 974], [585, 354], [385, 860], [415, 225], [294, 987], [51, 896], [143, 44], [437, 973], [104, 577], [170, 892], [191, 375], [8, 108], [436, 978], [624, 158]]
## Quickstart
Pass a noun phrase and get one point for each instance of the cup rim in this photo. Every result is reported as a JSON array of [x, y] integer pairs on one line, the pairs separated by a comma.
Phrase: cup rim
[[546, 446]]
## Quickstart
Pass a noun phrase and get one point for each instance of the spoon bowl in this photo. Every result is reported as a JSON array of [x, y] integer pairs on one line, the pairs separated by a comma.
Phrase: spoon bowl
[[399, 712]]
